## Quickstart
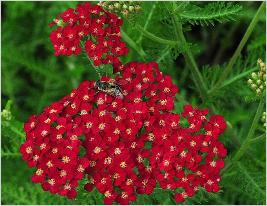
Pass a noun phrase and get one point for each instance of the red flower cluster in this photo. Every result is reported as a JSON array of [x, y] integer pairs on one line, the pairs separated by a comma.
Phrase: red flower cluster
[[116, 138], [52, 146], [99, 29], [187, 157], [131, 143]]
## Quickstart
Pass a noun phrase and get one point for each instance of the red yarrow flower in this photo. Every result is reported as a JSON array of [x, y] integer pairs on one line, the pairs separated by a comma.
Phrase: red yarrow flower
[[131, 143], [93, 27]]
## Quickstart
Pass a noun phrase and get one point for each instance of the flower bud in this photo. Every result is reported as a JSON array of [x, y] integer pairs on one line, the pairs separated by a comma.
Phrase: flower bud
[[125, 12], [263, 118], [6, 114], [103, 4], [117, 5], [254, 86], [137, 8], [131, 8], [262, 65], [258, 91], [250, 81], [254, 75], [258, 81]]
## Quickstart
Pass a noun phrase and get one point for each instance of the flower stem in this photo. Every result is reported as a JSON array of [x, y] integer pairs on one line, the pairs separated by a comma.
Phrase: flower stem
[[154, 37], [240, 47], [147, 21], [132, 44], [95, 68], [234, 79], [90, 61], [197, 77], [256, 139], [163, 54], [251, 132], [249, 140]]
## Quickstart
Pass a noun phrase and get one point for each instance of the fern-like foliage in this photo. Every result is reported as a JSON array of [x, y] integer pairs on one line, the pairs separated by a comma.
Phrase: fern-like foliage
[[12, 134], [257, 43], [29, 194], [254, 184], [249, 183], [209, 14]]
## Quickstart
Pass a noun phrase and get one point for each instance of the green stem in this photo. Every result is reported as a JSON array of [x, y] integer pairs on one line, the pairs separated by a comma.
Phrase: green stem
[[94, 67], [234, 79], [226, 42], [147, 21], [155, 38], [259, 138], [90, 61], [251, 132], [197, 77], [132, 44], [228, 165], [248, 140], [232, 134], [43, 95], [240, 47], [163, 54]]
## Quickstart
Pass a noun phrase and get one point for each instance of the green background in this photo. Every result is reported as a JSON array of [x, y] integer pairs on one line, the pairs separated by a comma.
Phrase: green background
[[32, 78]]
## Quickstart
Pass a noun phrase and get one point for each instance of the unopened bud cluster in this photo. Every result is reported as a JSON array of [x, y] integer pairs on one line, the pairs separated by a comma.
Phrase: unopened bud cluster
[[6, 114], [257, 80], [122, 8], [263, 119]]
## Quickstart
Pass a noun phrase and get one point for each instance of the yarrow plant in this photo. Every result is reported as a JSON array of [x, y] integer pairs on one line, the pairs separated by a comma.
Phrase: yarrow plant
[[132, 143]]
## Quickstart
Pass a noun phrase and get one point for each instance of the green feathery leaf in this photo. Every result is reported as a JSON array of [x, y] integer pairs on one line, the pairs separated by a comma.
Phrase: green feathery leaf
[[210, 14]]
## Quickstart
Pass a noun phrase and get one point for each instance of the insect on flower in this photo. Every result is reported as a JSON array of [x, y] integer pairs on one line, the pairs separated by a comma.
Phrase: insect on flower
[[110, 88]]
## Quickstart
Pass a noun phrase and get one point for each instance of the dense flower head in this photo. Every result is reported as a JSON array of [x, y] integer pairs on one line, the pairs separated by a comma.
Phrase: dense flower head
[[131, 143], [93, 28], [110, 128]]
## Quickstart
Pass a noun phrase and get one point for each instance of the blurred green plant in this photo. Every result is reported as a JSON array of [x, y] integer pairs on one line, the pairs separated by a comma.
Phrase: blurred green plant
[[208, 48]]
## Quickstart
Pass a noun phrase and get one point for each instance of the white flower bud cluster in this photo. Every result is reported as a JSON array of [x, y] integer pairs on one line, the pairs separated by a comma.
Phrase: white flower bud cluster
[[6, 114], [124, 8], [257, 81], [263, 119]]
